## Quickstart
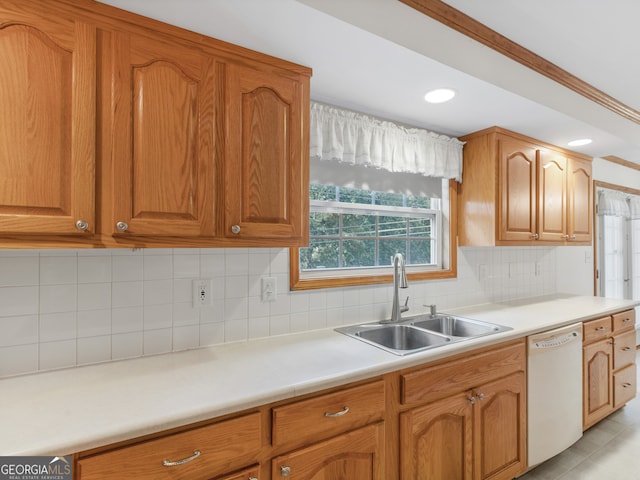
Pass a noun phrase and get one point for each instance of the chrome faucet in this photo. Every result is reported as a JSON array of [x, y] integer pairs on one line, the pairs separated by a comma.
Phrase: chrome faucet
[[399, 281]]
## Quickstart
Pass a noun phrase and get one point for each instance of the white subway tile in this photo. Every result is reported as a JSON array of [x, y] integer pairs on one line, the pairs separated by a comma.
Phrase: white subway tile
[[58, 270], [212, 266], [258, 327], [186, 266], [17, 271], [279, 324], [157, 316], [18, 301], [236, 308], [57, 326], [236, 263], [126, 320], [157, 341], [94, 296], [126, 345], [94, 349], [18, 359], [20, 330], [236, 286], [212, 333], [157, 267], [186, 337], [58, 298], [92, 323], [57, 354], [236, 330], [94, 269], [185, 314], [126, 294], [126, 268], [158, 292]]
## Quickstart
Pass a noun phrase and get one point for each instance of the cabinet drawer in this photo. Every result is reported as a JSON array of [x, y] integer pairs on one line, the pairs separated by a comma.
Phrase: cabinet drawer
[[624, 349], [596, 329], [433, 383], [328, 415], [223, 447], [624, 385], [624, 320]]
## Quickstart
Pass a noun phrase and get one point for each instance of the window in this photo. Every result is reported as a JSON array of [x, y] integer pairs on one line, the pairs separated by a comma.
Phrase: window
[[355, 232], [356, 224]]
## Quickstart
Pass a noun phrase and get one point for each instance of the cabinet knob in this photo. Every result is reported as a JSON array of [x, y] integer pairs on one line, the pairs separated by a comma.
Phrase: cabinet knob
[[82, 225], [285, 471], [253, 478], [480, 396], [471, 399], [565, 236], [572, 237], [122, 226], [235, 229], [535, 236]]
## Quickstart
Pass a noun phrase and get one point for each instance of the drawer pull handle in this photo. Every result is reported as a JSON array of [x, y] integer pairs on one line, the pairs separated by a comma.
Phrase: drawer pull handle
[[626, 320], [342, 412], [625, 349], [168, 463], [599, 329], [626, 385]]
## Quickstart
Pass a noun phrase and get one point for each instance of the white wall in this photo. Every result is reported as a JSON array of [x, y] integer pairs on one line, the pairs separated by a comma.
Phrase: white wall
[[61, 308]]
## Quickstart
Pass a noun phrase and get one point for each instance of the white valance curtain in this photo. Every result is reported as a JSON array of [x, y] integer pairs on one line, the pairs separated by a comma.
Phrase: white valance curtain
[[617, 203], [345, 137]]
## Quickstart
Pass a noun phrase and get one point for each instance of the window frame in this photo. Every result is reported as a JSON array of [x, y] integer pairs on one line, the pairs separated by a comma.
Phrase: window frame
[[358, 279]]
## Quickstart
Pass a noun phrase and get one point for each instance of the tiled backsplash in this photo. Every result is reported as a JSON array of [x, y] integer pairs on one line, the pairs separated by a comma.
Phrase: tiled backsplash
[[61, 308]]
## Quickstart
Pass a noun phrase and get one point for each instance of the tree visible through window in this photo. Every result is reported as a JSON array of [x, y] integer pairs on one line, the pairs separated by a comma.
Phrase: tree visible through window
[[353, 228]]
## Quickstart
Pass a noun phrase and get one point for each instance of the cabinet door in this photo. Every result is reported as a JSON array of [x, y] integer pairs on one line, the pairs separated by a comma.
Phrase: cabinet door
[[47, 126], [266, 156], [597, 381], [354, 455], [500, 424], [163, 119], [552, 174], [579, 200], [517, 205], [437, 440]]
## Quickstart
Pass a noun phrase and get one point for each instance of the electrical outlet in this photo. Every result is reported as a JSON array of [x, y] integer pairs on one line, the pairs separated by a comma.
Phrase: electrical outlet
[[269, 289], [202, 292]]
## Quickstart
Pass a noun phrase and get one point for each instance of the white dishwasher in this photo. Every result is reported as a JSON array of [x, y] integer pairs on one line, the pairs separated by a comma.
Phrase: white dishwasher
[[554, 392]]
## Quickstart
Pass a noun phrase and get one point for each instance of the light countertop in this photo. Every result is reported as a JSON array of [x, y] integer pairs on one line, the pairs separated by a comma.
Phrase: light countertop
[[71, 410]]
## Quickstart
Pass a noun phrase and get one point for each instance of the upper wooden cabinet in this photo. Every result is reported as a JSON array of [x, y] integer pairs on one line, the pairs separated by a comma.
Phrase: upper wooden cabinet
[[47, 131], [162, 138], [266, 191], [123, 131], [518, 191]]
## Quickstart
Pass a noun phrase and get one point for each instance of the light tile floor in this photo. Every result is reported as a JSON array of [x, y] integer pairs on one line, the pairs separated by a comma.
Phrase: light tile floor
[[610, 450]]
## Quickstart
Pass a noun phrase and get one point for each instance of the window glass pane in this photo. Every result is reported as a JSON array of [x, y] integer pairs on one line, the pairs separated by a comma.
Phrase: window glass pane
[[420, 227], [388, 248], [324, 224], [392, 226], [348, 195], [418, 202], [322, 192], [420, 252], [358, 225], [359, 253], [389, 199], [320, 254]]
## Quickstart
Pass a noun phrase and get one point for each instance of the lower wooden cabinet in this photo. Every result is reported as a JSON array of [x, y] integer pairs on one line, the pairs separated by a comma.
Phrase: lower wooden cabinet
[[609, 365], [477, 434], [356, 455]]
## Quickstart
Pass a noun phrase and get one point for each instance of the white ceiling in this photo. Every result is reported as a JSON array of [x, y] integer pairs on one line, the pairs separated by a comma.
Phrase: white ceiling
[[381, 57]]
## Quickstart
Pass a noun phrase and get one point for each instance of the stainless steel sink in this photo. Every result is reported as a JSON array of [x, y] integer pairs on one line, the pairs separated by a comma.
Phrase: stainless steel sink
[[396, 338], [458, 327], [419, 333]]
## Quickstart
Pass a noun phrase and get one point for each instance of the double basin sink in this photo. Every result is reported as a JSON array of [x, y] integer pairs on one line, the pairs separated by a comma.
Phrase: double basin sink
[[422, 332]]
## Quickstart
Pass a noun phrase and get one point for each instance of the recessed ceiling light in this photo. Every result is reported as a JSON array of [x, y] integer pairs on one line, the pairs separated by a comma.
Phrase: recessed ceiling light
[[580, 142], [440, 95]]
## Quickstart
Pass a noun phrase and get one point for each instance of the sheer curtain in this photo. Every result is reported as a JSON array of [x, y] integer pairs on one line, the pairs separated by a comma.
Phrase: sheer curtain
[[619, 244], [347, 145]]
